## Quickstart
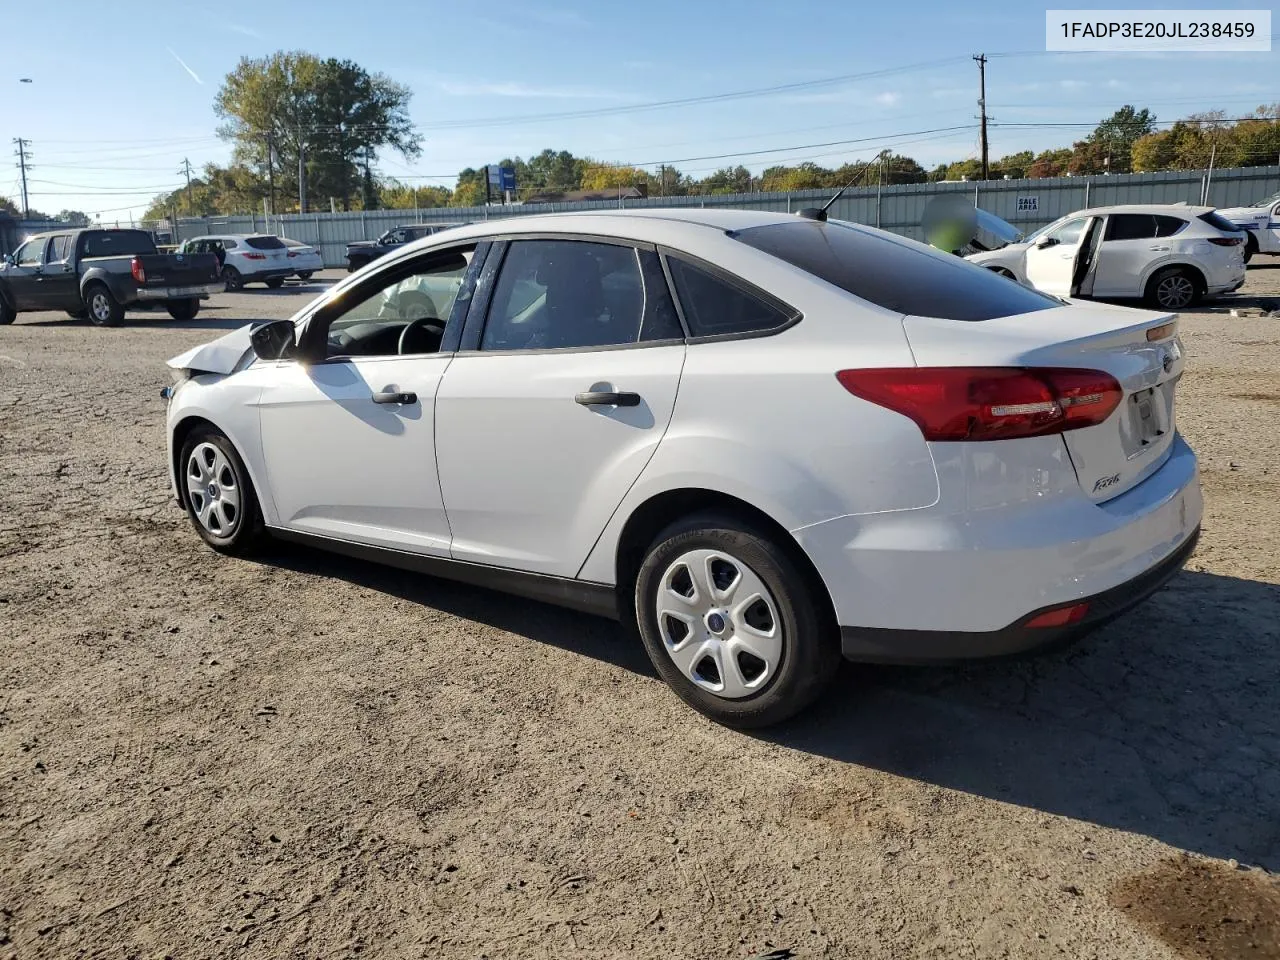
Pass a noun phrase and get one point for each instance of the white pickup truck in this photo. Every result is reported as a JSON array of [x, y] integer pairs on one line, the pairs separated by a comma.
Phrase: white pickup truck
[[1261, 221]]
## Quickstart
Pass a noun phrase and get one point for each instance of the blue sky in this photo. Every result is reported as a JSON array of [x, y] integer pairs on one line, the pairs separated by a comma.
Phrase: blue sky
[[123, 91]]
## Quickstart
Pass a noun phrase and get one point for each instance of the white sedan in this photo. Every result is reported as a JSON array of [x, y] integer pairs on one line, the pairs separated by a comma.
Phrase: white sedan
[[304, 258], [1169, 255], [764, 440]]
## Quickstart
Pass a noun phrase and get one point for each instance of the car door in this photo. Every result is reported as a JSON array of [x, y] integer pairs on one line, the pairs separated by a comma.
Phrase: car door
[[562, 390], [348, 438], [1129, 247], [1051, 261], [24, 276], [59, 287]]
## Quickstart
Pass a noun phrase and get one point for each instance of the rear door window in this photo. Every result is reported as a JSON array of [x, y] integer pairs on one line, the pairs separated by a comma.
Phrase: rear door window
[[898, 275], [1130, 226], [58, 249], [715, 307], [1168, 226]]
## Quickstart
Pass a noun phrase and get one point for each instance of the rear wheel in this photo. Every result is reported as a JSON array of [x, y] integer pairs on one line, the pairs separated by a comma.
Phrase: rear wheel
[[304, 274], [220, 500], [184, 309], [7, 313], [275, 283], [104, 309], [231, 276], [1172, 288], [732, 623]]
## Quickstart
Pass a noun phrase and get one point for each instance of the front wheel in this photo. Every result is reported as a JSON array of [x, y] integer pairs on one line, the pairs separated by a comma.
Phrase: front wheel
[[732, 623], [1172, 288], [104, 309], [231, 277], [184, 309], [1250, 247], [305, 274], [275, 283], [219, 497]]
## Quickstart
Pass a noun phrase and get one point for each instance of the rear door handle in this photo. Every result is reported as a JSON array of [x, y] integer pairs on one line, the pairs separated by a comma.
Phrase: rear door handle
[[608, 399], [391, 396]]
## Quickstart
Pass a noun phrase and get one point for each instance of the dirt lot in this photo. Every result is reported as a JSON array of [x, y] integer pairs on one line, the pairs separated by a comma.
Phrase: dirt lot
[[305, 756]]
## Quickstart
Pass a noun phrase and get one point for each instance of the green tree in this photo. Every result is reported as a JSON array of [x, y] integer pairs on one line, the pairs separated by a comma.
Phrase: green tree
[[7, 206], [1014, 166], [727, 180], [1111, 143]]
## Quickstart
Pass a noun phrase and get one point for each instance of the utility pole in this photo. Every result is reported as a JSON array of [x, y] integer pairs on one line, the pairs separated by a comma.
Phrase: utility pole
[[23, 157], [662, 189], [981, 60], [186, 168], [271, 173], [302, 176]]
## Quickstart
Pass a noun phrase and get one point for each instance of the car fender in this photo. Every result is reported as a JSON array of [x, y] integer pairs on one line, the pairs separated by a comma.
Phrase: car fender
[[122, 291], [1168, 260], [231, 405]]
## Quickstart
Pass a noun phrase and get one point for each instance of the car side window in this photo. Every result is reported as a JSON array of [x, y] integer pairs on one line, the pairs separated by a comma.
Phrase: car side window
[[715, 307], [1130, 226], [30, 253], [1069, 232], [1168, 226], [58, 249], [405, 315], [227, 244], [563, 294]]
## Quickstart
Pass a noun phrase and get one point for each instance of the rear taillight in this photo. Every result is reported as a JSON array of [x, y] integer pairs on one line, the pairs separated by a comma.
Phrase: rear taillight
[[255, 256], [1061, 617], [989, 403], [1227, 241], [138, 271], [292, 254]]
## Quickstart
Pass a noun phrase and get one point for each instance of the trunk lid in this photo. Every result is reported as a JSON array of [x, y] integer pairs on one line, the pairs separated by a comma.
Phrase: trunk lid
[[179, 269], [1136, 439]]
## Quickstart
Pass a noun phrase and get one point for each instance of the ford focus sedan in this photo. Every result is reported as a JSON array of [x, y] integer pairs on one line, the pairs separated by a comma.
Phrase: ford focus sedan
[[764, 441]]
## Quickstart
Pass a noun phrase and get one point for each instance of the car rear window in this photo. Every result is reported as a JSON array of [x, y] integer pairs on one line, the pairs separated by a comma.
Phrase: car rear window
[[1214, 219], [1168, 226], [895, 274], [265, 243], [116, 243]]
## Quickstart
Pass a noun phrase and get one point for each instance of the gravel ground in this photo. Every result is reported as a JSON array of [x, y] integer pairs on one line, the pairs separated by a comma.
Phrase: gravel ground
[[304, 756]]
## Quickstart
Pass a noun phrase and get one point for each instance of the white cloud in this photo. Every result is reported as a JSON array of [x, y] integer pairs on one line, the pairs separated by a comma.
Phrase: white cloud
[[1073, 84], [456, 88], [888, 99], [194, 76]]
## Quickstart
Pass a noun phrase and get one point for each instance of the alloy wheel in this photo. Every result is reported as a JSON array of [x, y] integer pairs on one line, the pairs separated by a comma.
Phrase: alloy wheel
[[719, 623], [100, 306], [1175, 292], [212, 490]]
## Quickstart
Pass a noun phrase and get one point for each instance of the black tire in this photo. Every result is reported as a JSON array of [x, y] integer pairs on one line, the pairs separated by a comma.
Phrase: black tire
[[7, 313], [810, 642], [231, 276], [275, 283], [241, 532], [81, 314], [184, 309], [104, 309], [1250, 246], [305, 274], [1173, 288]]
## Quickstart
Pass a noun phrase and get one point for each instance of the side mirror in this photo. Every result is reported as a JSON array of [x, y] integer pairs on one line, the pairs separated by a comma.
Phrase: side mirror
[[274, 340], [1047, 242]]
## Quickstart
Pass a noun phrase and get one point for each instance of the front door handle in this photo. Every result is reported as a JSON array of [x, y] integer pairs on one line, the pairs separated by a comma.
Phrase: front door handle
[[392, 396], [608, 399]]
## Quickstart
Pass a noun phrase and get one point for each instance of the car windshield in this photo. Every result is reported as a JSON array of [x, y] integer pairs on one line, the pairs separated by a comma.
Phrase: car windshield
[[1266, 201], [1037, 234]]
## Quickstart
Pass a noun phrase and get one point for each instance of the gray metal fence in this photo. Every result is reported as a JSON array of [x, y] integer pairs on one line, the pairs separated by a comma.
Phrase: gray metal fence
[[1025, 203]]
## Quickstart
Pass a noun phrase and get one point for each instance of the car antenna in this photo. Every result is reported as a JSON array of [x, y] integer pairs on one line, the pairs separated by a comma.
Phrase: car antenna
[[820, 213]]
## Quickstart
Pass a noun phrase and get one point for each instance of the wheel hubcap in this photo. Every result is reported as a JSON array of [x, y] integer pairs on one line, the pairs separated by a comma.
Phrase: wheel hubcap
[[101, 309], [213, 491], [719, 623], [1175, 291]]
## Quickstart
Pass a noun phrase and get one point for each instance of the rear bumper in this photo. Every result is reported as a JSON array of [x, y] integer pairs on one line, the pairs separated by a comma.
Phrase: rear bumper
[[203, 291], [939, 646], [269, 274]]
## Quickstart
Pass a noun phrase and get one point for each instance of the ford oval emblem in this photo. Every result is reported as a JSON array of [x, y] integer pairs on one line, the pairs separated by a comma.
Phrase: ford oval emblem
[[1166, 360]]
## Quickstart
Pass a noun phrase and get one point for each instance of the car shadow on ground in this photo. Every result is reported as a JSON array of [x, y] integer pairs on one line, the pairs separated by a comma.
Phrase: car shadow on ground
[[156, 320], [1165, 723]]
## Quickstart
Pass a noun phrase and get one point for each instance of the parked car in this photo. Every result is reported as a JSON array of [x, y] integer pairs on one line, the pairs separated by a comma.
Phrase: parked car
[[246, 258], [764, 440], [1261, 223], [362, 252], [306, 259], [100, 274], [1170, 256]]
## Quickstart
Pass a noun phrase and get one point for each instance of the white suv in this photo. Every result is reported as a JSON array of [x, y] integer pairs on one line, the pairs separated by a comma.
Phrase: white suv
[[246, 258], [1168, 255], [759, 439]]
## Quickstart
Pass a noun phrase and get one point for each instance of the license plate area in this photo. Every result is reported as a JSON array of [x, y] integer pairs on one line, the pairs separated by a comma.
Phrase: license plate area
[[1147, 411]]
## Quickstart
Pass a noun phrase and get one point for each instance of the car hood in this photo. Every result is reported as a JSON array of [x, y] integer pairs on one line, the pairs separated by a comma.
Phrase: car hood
[[999, 254], [1244, 214], [223, 355], [361, 244]]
